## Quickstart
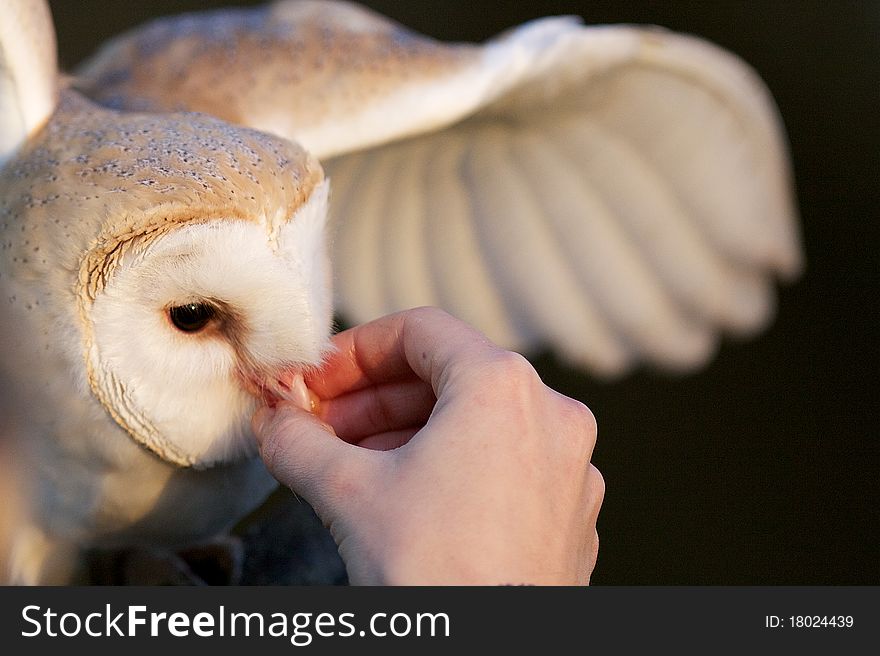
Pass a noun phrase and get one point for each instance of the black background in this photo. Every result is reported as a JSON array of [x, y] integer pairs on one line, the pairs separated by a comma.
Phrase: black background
[[762, 468]]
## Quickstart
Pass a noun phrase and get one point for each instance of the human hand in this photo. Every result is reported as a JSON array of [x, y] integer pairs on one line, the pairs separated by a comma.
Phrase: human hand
[[435, 457]]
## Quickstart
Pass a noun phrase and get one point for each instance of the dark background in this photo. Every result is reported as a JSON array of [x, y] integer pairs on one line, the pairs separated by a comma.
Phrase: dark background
[[762, 468]]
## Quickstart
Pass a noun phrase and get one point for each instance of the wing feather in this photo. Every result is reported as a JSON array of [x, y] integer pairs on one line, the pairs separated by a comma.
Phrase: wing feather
[[358, 283], [738, 86], [699, 278], [28, 71], [457, 265], [694, 154], [608, 267], [406, 276], [539, 282]]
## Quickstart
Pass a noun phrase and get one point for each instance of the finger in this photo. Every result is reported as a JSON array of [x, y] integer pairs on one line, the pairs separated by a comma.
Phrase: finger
[[304, 454], [363, 356], [387, 407], [426, 342]]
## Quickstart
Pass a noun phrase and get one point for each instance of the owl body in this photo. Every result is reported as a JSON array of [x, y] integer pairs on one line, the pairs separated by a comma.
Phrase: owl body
[[620, 194], [136, 430]]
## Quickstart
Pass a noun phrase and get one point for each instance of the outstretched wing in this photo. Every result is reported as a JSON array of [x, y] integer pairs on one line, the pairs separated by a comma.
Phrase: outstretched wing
[[28, 71], [620, 193]]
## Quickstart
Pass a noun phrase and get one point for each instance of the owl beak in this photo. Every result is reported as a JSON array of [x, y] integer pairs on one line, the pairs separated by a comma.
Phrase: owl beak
[[287, 385]]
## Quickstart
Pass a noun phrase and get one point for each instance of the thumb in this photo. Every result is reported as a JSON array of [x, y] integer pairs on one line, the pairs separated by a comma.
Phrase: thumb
[[304, 454]]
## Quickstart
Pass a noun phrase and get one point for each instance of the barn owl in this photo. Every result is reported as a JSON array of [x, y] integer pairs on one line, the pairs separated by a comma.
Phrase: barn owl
[[621, 194]]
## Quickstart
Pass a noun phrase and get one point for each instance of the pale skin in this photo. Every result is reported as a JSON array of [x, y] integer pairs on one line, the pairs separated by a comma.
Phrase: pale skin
[[435, 457]]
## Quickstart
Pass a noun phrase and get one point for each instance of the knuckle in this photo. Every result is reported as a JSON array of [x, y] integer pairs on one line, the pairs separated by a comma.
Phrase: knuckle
[[506, 378], [579, 425], [581, 418], [511, 368], [597, 483]]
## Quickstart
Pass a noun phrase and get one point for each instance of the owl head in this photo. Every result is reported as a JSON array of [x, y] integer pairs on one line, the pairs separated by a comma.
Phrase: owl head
[[195, 266]]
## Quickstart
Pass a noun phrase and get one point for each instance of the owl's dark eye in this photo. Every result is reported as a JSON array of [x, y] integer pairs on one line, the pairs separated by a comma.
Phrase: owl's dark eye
[[191, 317]]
